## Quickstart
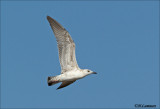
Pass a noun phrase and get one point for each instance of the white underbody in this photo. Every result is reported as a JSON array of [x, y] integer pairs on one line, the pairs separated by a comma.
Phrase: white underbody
[[71, 75]]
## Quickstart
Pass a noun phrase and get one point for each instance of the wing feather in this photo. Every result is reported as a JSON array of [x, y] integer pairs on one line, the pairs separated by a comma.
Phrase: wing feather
[[66, 83], [66, 46]]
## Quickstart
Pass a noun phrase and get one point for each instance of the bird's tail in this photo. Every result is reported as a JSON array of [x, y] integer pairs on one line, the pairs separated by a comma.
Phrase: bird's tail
[[52, 80]]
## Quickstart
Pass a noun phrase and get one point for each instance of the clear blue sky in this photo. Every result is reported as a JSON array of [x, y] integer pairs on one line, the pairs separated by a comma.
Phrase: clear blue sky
[[119, 40]]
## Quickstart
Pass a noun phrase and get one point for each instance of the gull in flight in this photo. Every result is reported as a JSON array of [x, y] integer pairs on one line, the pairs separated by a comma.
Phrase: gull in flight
[[70, 72]]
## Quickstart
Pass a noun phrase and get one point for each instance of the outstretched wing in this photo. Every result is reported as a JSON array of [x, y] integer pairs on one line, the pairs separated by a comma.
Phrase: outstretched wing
[[66, 83], [66, 46]]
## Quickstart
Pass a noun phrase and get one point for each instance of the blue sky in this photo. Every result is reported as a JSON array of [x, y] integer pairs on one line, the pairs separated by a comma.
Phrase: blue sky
[[119, 40]]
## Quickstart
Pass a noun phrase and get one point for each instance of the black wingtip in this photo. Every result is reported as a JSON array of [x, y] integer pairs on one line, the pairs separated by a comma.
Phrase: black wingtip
[[58, 88]]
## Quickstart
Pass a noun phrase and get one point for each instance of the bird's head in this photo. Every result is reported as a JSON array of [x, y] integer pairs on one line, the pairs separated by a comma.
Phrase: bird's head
[[87, 71]]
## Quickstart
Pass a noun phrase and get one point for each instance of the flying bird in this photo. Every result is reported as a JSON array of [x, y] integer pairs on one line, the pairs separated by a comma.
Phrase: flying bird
[[70, 71]]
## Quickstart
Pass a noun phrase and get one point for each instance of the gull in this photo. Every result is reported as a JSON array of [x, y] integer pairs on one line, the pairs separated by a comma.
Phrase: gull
[[70, 71]]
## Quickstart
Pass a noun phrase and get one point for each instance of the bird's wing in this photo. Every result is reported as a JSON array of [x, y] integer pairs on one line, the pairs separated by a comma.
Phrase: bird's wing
[[66, 83], [66, 46]]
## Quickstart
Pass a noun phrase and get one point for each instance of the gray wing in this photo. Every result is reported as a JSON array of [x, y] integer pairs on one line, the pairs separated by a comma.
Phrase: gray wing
[[66, 83], [66, 46]]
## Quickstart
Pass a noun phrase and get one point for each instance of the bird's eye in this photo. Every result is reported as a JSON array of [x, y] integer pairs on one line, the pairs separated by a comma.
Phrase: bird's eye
[[88, 70]]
